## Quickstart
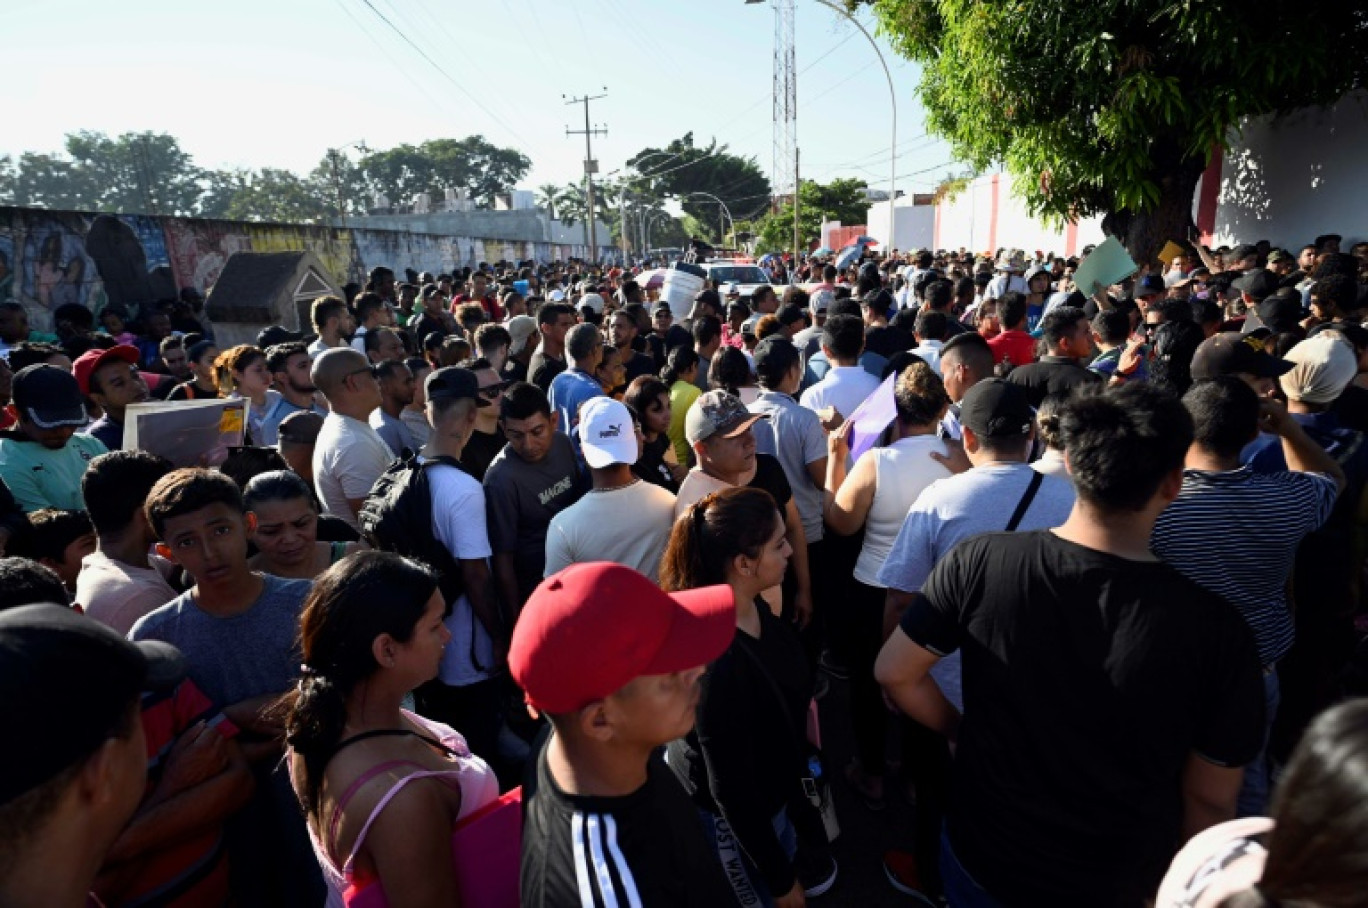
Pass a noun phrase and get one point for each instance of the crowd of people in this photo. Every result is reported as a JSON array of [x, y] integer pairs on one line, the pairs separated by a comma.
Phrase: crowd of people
[[1082, 566]]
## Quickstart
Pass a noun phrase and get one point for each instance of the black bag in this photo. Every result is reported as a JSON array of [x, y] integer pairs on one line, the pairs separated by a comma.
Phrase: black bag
[[397, 517]]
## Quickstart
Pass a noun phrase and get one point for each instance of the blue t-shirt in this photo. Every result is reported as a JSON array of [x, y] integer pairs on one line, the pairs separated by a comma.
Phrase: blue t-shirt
[[235, 659], [569, 391]]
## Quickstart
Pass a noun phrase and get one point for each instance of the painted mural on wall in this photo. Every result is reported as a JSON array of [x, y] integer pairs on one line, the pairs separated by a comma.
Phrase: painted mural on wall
[[51, 258]]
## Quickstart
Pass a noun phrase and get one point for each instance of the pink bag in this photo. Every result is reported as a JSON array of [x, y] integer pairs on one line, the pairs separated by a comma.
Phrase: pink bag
[[486, 850]]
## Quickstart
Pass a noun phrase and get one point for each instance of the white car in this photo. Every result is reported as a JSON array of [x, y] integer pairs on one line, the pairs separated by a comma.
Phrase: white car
[[749, 277]]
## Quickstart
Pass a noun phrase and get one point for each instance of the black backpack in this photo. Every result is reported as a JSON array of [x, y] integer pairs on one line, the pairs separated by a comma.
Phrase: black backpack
[[397, 517]]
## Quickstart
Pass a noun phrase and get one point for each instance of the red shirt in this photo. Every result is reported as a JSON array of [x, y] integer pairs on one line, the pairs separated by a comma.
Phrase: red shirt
[[490, 304], [1018, 345]]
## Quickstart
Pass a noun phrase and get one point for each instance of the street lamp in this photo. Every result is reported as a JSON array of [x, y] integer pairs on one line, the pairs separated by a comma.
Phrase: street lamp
[[723, 206], [893, 99], [333, 155]]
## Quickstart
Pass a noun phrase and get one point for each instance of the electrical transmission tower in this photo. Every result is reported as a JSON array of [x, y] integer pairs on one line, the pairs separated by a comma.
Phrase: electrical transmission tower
[[785, 102]]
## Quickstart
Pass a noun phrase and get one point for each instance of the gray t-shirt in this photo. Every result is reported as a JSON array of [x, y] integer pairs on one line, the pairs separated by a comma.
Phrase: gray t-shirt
[[235, 659], [394, 431], [951, 510], [522, 498], [796, 439]]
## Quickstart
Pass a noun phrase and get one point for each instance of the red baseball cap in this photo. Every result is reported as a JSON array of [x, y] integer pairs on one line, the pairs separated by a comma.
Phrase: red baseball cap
[[92, 359], [590, 629]]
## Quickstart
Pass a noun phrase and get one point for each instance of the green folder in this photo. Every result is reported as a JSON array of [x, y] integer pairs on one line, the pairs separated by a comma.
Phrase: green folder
[[1106, 265]]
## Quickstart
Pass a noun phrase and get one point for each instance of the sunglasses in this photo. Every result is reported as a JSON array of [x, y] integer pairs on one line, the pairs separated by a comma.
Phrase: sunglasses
[[491, 392]]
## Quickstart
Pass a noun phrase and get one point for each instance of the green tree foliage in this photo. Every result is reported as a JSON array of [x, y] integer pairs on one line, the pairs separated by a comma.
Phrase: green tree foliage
[[681, 168], [1113, 106], [840, 200], [433, 167]]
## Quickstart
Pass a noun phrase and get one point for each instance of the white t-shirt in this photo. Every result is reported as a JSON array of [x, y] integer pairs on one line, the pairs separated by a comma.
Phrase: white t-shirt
[[901, 471], [347, 460], [117, 594], [315, 349], [358, 341], [458, 522], [1004, 283], [843, 387], [630, 526]]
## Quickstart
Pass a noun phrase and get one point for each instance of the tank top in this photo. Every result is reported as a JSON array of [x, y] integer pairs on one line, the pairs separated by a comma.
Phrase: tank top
[[902, 470], [470, 774]]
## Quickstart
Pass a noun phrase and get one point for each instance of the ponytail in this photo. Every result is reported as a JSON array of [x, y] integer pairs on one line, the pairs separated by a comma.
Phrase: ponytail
[[680, 360], [714, 531], [315, 714]]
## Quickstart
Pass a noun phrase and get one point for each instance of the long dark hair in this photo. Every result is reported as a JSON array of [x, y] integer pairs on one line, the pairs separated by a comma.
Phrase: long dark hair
[[643, 392], [710, 534], [681, 360], [729, 371], [1318, 849], [353, 602]]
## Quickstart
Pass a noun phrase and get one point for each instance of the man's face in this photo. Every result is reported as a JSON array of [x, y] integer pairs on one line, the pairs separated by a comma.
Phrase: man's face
[[296, 375], [13, 325], [70, 565], [624, 330], [389, 348], [1307, 260], [52, 439], [731, 456], [479, 284], [955, 374], [491, 389], [159, 326], [661, 322], [346, 323], [655, 709], [407, 296], [398, 387], [211, 543], [177, 363], [1264, 387], [117, 384], [529, 438], [556, 332], [1080, 339]]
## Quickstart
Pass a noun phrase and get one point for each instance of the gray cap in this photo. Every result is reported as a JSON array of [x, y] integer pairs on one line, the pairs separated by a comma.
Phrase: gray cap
[[718, 413]]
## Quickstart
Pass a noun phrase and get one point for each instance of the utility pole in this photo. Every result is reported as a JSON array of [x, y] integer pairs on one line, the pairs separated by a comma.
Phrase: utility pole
[[796, 183], [333, 155], [590, 167]]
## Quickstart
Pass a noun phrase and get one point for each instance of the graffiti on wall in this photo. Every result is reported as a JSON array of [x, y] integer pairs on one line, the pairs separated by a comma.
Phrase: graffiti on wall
[[51, 258]]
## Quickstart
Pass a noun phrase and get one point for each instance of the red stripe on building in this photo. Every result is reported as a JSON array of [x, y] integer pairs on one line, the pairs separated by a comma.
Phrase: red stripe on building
[[1209, 194], [1070, 238], [935, 229], [993, 216]]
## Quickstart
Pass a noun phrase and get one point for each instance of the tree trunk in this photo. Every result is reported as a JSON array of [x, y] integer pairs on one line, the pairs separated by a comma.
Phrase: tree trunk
[[1145, 233]]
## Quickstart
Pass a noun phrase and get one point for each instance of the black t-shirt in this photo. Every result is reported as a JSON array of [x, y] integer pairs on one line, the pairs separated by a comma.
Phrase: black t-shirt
[[480, 451], [747, 754], [1352, 408], [769, 475], [887, 340], [638, 364], [190, 391], [648, 847], [1088, 682], [651, 466], [514, 370], [1051, 375], [543, 369]]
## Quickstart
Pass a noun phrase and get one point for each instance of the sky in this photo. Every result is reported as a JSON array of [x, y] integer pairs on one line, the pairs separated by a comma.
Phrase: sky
[[274, 83]]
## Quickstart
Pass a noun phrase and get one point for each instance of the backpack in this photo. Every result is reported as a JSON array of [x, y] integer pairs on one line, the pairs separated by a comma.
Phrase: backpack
[[397, 517]]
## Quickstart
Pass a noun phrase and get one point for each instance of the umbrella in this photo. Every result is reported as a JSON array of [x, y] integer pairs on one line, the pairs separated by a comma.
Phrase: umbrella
[[648, 279], [865, 241], [848, 255], [825, 250]]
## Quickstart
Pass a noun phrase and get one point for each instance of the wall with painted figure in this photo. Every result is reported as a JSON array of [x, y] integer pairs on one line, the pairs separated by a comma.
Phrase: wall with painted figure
[[50, 258]]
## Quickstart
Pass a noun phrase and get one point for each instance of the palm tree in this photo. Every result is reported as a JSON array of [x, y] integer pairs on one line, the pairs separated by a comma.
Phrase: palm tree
[[550, 196], [573, 205]]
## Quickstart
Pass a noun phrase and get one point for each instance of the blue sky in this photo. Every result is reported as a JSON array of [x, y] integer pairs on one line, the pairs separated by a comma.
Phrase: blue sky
[[256, 83]]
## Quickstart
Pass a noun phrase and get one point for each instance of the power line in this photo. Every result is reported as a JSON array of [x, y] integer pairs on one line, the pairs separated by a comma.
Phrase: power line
[[446, 75]]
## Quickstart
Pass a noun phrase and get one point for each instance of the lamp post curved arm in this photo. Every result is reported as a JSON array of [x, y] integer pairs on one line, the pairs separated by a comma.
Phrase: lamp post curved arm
[[893, 99], [723, 205]]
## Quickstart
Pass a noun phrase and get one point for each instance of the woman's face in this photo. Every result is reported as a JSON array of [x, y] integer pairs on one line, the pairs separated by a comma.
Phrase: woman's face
[[204, 366], [611, 372], [772, 561], [253, 380], [658, 415], [286, 531], [422, 654]]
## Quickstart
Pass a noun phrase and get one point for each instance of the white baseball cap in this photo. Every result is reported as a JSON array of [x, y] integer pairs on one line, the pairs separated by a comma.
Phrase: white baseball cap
[[607, 435], [520, 328], [592, 301]]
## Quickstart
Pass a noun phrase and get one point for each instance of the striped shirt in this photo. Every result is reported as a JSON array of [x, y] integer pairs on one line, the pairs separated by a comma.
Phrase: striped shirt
[[1236, 533]]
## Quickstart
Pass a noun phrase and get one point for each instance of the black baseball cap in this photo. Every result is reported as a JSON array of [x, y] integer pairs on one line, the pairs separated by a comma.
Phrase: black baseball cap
[[995, 408], [453, 383], [1149, 284], [1241, 252], [277, 334], [49, 396], [66, 685], [1230, 353], [1259, 284]]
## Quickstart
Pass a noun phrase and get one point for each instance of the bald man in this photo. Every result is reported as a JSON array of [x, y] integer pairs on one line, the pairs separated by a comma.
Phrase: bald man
[[349, 455]]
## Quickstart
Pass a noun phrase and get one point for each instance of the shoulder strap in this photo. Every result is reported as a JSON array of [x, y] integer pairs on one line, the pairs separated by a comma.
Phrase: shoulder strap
[[397, 787], [1036, 479]]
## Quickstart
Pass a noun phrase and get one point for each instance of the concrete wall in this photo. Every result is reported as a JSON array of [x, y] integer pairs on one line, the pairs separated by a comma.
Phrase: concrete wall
[[1286, 181], [1290, 180], [48, 258], [914, 226]]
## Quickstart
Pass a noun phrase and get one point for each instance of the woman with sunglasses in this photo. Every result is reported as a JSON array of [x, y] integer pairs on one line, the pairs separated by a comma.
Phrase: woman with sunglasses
[[488, 439]]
